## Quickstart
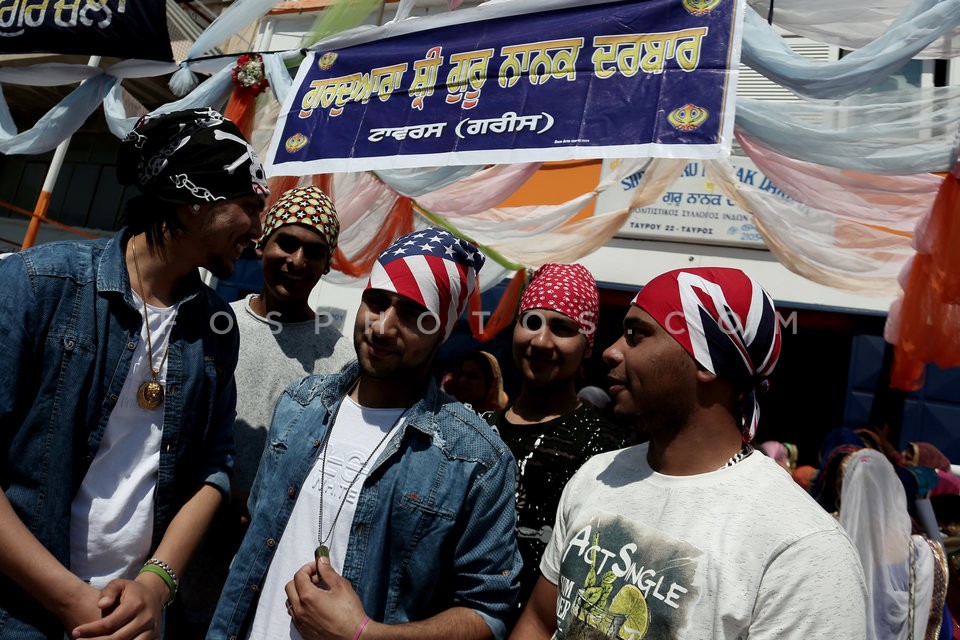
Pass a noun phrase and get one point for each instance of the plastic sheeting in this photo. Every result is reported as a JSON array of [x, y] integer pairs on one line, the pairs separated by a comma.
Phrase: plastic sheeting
[[891, 132], [767, 53], [850, 25]]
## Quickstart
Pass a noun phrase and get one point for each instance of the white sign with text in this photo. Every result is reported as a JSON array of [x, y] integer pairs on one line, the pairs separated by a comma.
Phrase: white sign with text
[[692, 210]]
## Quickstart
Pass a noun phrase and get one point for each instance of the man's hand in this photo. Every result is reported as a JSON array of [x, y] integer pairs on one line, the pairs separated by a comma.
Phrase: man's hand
[[128, 610], [79, 606], [323, 604]]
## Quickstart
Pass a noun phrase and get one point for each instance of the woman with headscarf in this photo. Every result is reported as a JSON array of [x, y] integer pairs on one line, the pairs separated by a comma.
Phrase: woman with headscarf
[[550, 431], [906, 574], [826, 483], [783, 453], [478, 382]]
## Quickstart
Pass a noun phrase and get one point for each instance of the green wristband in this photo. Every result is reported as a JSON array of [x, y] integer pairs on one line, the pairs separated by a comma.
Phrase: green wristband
[[152, 568]]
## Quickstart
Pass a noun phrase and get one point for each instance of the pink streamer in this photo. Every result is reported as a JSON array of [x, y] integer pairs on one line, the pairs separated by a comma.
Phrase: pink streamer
[[895, 202], [478, 192]]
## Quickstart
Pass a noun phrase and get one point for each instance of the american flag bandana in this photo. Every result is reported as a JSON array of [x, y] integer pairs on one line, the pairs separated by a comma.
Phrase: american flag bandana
[[432, 267], [725, 320], [569, 289]]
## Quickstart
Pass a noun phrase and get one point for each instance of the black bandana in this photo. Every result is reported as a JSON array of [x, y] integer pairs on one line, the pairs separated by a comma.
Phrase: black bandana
[[190, 157]]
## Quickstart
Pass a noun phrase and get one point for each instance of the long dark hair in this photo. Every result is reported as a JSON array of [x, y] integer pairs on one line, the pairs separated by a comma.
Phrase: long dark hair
[[152, 216]]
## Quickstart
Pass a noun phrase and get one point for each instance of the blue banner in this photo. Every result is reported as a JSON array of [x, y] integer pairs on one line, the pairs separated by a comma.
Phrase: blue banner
[[116, 28], [613, 79]]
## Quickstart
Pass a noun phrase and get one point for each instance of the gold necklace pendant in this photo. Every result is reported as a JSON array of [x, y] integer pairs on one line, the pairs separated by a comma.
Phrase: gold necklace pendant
[[150, 394]]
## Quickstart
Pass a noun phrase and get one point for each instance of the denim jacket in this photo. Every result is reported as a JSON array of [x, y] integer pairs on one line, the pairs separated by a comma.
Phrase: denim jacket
[[70, 329], [434, 525]]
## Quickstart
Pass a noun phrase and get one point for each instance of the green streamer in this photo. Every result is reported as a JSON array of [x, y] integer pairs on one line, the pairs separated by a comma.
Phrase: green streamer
[[493, 254], [345, 14]]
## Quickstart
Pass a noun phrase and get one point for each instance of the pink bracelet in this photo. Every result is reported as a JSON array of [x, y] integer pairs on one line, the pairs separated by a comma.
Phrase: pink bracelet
[[366, 619]]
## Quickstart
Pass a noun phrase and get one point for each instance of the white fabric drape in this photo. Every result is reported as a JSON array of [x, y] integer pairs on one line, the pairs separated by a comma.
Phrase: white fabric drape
[[416, 182], [212, 92], [873, 511], [233, 19], [51, 74], [477, 192], [363, 202], [896, 202], [819, 245], [889, 132], [763, 49], [56, 125], [766, 52], [100, 86], [557, 240], [855, 167], [277, 74]]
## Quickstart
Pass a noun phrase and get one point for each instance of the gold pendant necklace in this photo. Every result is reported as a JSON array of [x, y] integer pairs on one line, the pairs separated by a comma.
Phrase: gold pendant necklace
[[150, 393]]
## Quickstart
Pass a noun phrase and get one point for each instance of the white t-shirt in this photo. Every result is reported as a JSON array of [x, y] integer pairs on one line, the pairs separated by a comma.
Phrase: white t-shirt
[[358, 434], [111, 517], [737, 552]]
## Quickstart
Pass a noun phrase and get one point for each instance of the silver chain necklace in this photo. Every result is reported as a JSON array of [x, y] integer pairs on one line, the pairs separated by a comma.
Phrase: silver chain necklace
[[323, 549]]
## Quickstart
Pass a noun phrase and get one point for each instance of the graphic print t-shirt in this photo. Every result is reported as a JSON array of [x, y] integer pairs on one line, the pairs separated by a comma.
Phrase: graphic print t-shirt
[[623, 579], [734, 553]]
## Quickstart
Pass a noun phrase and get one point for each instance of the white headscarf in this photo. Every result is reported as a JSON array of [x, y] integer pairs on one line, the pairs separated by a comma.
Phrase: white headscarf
[[873, 510]]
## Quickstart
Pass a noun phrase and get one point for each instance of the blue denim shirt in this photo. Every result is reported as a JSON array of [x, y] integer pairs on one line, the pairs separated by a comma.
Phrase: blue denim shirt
[[434, 525], [70, 328]]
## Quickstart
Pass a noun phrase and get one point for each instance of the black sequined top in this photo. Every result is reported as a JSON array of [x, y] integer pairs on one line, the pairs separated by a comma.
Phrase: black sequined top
[[548, 454]]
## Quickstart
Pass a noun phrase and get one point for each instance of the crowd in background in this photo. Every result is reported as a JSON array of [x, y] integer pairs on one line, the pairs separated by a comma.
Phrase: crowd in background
[[900, 509]]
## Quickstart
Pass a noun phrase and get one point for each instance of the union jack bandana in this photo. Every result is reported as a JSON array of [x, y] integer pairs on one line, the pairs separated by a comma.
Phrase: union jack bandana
[[725, 320], [568, 289], [432, 267]]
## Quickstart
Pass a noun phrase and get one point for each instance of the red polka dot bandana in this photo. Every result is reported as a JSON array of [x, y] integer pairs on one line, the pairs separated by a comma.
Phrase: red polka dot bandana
[[725, 320], [568, 289], [308, 206]]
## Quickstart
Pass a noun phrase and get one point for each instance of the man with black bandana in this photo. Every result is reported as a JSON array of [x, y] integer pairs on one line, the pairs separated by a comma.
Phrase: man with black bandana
[[117, 402]]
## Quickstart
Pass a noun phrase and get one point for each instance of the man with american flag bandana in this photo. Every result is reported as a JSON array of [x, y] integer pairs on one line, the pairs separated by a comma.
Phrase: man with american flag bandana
[[382, 507]]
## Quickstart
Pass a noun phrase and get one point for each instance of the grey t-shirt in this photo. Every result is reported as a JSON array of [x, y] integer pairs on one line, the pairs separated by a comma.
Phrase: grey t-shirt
[[273, 355]]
